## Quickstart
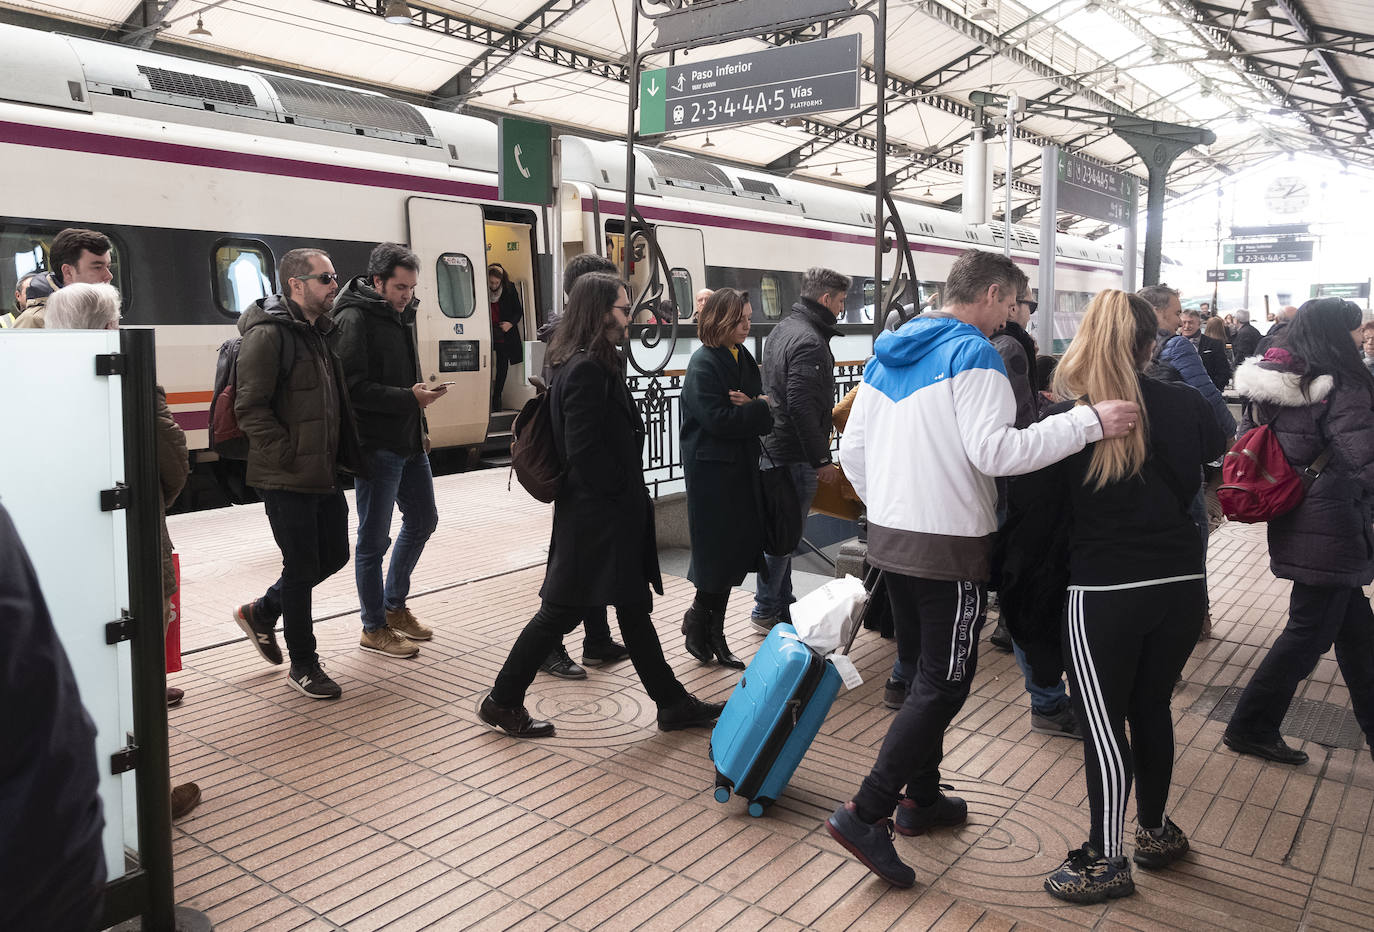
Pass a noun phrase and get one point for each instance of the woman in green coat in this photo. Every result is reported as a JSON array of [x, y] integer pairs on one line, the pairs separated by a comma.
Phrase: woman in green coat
[[724, 417]]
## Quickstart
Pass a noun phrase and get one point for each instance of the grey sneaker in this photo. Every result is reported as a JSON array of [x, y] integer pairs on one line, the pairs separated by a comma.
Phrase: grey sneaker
[[1063, 723], [314, 682], [261, 634], [764, 623], [388, 643], [894, 693], [871, 844]]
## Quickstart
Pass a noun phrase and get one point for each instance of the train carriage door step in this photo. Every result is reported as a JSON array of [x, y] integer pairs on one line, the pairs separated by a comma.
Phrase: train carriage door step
[[453, 323]]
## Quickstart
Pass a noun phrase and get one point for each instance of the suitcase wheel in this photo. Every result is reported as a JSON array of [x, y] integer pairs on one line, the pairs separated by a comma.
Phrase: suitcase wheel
[[722, 794], [756, 809]]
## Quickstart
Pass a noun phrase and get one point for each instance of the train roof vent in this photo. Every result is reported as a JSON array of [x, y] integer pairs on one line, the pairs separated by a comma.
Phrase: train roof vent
[[755, 186], [340, 105], [195, 85], [685, 168]]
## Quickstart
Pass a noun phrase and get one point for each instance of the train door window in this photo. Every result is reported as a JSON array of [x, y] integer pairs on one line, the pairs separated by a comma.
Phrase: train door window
[[242, 274], [770, 296], [457, 290], [683, 294]]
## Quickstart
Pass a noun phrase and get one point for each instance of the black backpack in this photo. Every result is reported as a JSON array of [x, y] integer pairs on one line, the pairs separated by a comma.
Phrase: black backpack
[[533, 455], [227, 439]]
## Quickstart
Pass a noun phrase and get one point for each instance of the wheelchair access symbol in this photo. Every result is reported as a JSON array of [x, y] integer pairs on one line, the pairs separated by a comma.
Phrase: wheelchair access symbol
[[458, 329]]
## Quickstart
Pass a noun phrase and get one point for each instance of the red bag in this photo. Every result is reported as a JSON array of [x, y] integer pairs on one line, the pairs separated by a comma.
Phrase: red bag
[[1257, 482], [172, 640]]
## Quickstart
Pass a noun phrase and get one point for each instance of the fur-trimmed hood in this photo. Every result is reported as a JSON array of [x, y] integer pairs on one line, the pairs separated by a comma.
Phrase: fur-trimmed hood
[[1275, 381]]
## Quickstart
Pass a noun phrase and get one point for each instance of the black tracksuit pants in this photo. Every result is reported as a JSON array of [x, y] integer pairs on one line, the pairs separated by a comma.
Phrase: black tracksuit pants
[[1318, 617], [939, 619], [1124, 648]]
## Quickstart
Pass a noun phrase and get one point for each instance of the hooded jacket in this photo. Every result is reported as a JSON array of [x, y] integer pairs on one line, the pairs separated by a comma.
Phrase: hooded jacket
[[799, 376], [300, 429], [376, 347], [1327, 540], [1179, 353], [932, 425]]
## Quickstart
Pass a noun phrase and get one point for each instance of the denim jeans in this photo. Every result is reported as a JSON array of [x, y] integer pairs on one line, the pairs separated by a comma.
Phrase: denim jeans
[[773, 596], [396, 480], [1045, 700], [312, 533]]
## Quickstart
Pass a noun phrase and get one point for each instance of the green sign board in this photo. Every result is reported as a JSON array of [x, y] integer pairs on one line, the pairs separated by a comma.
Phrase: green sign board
[[525, 172], [1255, 253], [653, 90], [1341, 290], [1226, 275]]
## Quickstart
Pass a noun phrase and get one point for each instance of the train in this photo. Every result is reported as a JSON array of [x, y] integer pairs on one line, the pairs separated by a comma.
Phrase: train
[[203, 175]]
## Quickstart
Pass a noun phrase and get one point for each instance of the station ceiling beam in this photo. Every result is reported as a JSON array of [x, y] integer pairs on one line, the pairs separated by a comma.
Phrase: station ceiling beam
[[1307, 32]]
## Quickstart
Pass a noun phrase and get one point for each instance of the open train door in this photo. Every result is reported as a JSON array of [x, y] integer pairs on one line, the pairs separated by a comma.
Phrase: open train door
[[685, 252], [453, 325]]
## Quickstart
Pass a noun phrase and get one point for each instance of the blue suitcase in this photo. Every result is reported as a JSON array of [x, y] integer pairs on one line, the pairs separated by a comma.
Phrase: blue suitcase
[[771, 719]]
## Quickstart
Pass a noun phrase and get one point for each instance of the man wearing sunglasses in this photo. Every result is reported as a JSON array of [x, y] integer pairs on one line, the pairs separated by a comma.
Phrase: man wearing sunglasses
[[293, 405]]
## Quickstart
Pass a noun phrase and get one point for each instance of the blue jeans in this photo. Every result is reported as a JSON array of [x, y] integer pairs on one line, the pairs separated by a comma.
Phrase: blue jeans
[[1045, 700], [396, 480], [773, 596]]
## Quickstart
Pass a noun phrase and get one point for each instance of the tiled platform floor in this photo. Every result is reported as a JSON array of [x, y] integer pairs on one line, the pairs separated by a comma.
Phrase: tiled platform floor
[[394, 808]]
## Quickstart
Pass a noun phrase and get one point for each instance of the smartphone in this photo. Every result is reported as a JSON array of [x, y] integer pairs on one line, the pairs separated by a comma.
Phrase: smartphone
[[435, 388]]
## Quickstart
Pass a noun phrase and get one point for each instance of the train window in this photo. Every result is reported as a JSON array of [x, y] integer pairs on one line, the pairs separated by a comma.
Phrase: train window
[[457, 292], [243, 274], [683, 294], [24, 249], [770, 296]]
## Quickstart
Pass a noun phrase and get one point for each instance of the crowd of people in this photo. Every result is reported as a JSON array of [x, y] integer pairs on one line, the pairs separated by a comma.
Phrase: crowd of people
[[1076, 489]]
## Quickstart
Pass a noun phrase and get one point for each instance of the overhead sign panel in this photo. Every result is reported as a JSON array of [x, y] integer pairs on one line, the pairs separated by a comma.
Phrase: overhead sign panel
[[1257, 253], [1341, 290], [1226, 275], [795, 80], [1090, 190], [525, 169], [707, 20]]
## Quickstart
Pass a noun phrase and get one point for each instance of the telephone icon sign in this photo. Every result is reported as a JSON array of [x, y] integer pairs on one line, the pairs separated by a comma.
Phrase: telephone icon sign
[[524, 172]]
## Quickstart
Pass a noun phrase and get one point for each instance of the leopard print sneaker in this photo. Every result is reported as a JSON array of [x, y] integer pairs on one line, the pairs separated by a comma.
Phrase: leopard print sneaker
[[1156, 851], [1088, 877]]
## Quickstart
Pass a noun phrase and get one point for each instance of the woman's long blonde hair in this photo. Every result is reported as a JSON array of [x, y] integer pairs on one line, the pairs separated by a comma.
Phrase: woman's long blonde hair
[[1103, 362]]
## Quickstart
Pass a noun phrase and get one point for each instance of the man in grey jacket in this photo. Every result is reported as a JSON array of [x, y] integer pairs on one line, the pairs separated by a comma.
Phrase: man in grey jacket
[[799, 379]]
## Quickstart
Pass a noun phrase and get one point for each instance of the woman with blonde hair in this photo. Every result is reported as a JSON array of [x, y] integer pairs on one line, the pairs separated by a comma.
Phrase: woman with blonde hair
[[1136, 592]]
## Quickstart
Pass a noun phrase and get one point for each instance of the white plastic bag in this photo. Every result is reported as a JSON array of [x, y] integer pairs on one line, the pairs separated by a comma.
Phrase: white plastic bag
[[825, 619]]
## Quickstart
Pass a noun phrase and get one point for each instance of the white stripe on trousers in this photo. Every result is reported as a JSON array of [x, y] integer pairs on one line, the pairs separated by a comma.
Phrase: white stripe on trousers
[[1113, 768], [959, 600]]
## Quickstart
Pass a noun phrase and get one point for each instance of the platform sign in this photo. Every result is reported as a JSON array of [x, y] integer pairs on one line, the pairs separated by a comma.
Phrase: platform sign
[[1089, 190], [795, 80], [1258, 253], [1226, 275], [1341, 290], [525, 168]]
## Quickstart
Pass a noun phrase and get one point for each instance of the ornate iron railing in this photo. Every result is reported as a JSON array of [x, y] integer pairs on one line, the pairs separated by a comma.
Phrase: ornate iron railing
[[659, 397]]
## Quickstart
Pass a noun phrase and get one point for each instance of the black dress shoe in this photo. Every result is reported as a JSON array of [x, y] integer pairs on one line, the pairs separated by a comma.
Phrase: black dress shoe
[[559, 664], [515, 722], [594, 655], [688, 712], [1001, 637], [1275, 750]]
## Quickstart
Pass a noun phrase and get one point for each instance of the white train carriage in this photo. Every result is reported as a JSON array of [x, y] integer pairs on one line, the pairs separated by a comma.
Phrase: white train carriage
[[204, 175]]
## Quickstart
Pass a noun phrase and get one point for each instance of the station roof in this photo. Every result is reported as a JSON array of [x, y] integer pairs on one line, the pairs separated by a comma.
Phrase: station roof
[[1269, 77]]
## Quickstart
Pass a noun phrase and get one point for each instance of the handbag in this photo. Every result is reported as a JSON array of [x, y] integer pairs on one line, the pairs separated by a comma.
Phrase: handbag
[[835, 496], [782, 518]]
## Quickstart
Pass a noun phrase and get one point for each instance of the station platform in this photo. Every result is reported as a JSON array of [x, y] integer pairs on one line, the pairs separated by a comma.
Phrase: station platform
[[395, 808]]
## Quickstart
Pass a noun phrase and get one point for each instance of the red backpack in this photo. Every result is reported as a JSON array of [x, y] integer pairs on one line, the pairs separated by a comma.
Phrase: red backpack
[[1257, 482]]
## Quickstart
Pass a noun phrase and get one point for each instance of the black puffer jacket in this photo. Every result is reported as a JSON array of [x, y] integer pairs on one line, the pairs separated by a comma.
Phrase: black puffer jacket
[[799, 376], [377, 349], [1327, 540]]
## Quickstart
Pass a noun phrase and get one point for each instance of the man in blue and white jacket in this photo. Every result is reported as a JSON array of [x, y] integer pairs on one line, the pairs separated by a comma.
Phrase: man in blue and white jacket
[[931, 426]]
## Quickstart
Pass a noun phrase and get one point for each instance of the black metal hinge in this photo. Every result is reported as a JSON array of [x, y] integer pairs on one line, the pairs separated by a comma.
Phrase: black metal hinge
[[121, 630], [124, 760], [111, 364], [114, 499]]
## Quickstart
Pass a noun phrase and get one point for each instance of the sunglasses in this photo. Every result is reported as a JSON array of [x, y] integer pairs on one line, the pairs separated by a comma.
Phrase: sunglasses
[[1033, 305], [324, 278]]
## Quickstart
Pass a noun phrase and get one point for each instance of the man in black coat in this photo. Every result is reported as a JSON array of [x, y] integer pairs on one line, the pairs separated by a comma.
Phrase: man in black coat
[[50, 847], [799, 376], [1246, 338], [1212, 352], [374, 321]]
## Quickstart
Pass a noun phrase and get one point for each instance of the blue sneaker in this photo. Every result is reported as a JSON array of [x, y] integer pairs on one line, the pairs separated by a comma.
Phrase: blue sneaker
[[1088, 877], [871, 844], [945, 811]]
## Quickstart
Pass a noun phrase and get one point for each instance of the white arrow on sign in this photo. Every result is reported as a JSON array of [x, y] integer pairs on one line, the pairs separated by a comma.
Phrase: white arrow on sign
[[653, 87]]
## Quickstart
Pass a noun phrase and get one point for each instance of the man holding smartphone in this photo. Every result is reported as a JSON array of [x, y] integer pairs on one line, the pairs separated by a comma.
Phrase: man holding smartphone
[[374, 335]]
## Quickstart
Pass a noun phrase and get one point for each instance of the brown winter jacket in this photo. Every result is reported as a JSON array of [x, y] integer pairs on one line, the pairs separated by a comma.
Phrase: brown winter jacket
[[300, 427]]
